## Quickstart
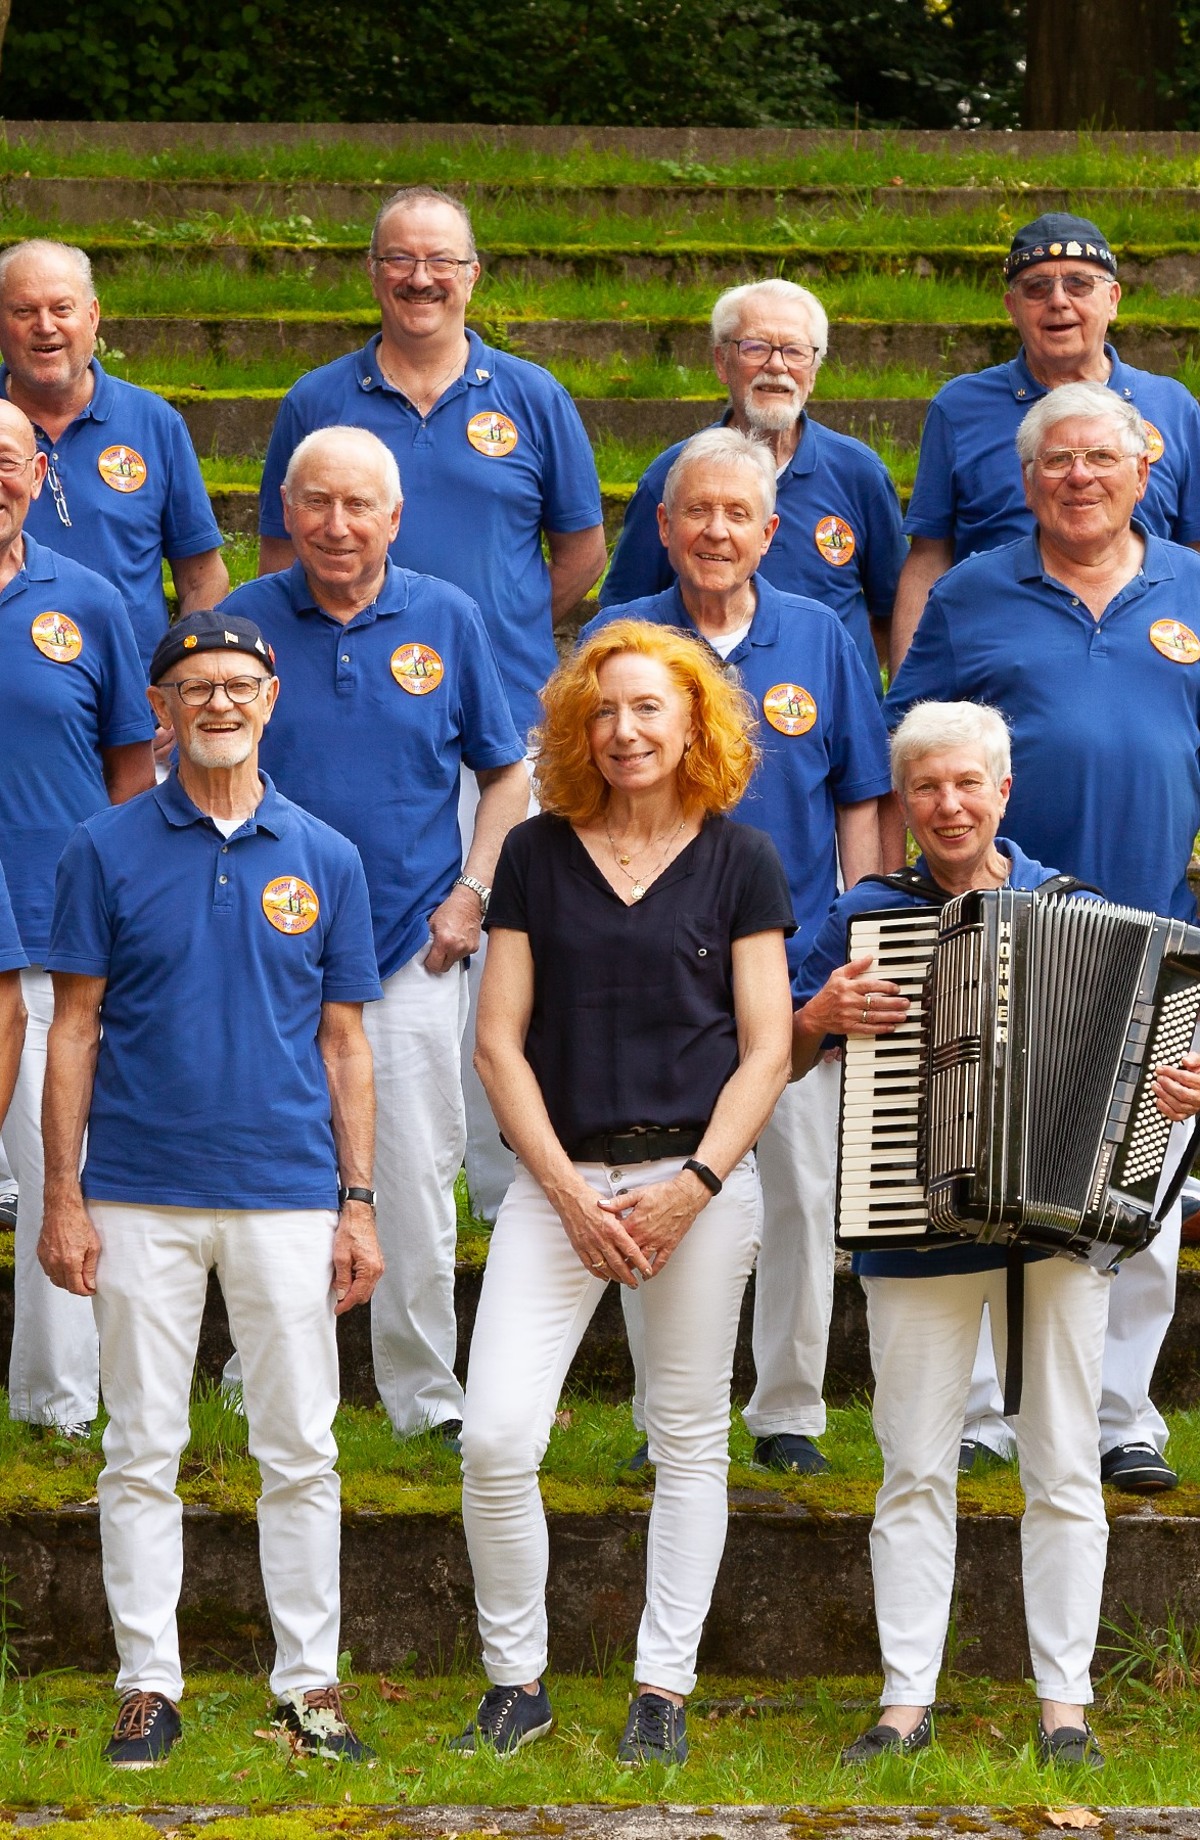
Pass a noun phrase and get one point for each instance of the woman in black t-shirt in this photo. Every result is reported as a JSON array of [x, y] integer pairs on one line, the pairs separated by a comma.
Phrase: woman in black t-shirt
[[633, 1038]]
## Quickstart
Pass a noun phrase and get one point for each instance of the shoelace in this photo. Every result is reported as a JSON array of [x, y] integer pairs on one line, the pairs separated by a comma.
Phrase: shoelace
[[136, 1714], [494, 1708], [329, 1699], [653, 1721]]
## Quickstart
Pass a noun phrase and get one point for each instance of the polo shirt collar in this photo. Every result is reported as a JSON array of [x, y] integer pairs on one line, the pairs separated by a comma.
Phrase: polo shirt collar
[[1026, 388], [179, 812], [764, 626], [393, 596], [1156, 562], [480, 368], [100, 407]]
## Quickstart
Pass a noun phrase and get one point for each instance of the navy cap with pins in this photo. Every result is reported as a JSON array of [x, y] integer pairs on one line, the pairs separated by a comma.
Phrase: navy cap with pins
[[209, 630], [1057, 237]]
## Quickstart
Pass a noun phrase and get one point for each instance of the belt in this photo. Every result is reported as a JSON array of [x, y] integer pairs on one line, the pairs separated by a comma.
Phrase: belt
[[641, 1143]]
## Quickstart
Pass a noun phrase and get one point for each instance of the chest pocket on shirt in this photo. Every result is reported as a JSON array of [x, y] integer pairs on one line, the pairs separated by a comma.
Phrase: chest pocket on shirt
[[697, 943]]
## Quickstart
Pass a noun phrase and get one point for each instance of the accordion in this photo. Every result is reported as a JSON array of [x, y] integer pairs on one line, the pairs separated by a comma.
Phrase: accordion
[[1015, 1102]]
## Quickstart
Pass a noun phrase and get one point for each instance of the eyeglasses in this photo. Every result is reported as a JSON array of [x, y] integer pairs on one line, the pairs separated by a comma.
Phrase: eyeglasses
[[10, 466], [757, 351], [1077, 287], [196, 691], [1057, 461], [442, 268]]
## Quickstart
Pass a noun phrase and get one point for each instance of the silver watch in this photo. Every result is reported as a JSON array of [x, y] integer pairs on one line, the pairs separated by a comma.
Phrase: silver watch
[[476, 887]]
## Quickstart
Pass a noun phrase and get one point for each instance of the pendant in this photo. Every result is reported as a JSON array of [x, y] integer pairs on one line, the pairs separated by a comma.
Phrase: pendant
[[622, 859], [636, 892]]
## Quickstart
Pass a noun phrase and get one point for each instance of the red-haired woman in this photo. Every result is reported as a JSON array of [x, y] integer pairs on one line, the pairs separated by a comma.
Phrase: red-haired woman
[[633, 1039]]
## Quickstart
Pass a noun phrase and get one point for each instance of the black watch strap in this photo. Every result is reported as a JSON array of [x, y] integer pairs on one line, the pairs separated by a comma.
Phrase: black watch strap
[[356, 1194], [712, 1183]]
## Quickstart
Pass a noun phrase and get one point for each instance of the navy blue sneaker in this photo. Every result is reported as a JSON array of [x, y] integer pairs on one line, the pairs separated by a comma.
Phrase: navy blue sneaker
[[147, 1726], [789, 1451], [316, 1726], [655, 1732], [505, 1719]]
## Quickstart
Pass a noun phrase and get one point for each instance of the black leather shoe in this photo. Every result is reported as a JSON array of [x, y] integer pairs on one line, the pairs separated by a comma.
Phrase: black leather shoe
[[884, 1738], [789, 1451], [974, 1458], [1138, 1469], [1070, 1744]]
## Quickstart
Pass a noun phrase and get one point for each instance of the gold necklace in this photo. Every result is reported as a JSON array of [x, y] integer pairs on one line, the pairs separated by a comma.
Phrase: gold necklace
[[641, 882], [456, 370]]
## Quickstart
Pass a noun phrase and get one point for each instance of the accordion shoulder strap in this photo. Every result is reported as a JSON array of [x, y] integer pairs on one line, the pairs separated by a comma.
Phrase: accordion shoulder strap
[[909, 881]]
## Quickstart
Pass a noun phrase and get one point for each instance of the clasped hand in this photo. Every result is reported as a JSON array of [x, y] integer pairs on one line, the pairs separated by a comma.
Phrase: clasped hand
[[631, 1236]]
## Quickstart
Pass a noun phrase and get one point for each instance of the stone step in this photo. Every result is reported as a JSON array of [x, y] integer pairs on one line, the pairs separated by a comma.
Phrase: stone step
[[236, 509], [79, 202], [793, 1596]]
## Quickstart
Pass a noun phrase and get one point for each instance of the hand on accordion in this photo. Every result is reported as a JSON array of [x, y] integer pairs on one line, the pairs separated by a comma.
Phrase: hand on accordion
[[1177, 1089], [856, 1001]]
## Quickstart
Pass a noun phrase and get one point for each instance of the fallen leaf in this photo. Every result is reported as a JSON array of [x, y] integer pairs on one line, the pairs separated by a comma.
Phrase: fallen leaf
[[1073, 1818], [564, 1419], [996, 1732], [241, 1775], [392, 1689]]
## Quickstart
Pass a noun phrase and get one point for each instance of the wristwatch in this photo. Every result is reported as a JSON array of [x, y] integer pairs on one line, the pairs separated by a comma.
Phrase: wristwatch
[[476, 887], [356, 1194]]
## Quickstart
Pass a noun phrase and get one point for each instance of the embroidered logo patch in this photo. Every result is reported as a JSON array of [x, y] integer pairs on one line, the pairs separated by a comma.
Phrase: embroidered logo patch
[[492, 433], [790, 709], [56, 637], [290, 904], [1175, 641], [1155, 449], [835, 541], [417, 669], [122, 468]]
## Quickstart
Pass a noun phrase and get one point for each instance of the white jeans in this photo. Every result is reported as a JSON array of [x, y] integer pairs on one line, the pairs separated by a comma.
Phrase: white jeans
[[276, 1272], [415, 1036], [537, 1301], [53, 1372], [924, 1333]]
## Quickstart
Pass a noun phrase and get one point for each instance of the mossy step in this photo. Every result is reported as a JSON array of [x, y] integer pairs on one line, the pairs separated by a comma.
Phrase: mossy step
[[236, 509]]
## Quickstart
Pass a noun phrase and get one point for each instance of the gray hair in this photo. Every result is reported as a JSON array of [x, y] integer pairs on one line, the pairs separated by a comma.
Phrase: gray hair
[[1080, 402], [415, 195], [724, 447], [728, 312], [935, 728], [373, 450], [47, 246]]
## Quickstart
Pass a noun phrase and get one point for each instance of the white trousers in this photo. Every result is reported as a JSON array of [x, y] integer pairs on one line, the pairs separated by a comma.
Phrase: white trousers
[[924, 1333], [53, 1371], [276, 1273], [793, 1284], [537, 1301], [415, 1036]]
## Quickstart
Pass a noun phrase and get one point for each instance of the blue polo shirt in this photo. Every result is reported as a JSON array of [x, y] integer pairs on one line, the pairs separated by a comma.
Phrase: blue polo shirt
[[501, 457], [210, 1090], [826, 955], [12, 952], [1105, 714], [134, 494], [823, 742], [839, 538], [969, 484], [73, 685], [372, 722]]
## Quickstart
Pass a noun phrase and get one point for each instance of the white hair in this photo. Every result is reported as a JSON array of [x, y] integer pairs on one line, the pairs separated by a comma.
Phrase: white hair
[[724, 447], [1080, 402], [47, 246], [373, 449], [935, 728], [731, 307]]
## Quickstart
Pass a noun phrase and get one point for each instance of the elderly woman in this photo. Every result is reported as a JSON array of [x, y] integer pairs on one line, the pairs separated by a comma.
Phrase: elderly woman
[[632, 1038], [951, 770]]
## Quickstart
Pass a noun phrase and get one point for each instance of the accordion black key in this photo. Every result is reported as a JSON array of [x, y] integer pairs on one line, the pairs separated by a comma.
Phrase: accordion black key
[[1015, 1103]]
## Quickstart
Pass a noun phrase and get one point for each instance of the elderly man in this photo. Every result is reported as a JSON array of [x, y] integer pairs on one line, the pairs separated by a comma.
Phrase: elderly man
[[211, 953], [1062, 297], [1085, 634], [123, 485], [392, 690], [495, 460], [824, 766], [76, 737], [952, 770], [839, 537]]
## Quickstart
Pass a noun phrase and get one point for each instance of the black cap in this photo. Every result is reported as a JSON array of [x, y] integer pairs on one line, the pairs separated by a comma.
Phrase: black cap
[[209, 631], [1054, 237]]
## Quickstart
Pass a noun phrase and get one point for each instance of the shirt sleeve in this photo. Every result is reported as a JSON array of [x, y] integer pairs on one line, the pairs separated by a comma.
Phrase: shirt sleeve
[[12, 953], [640, 565], [489, 735], [124, 715], [764, 902], [826, 953], [570, 486], [81, 928], [932, 510], [188, 526], [348, 969], [507, 906], [288, 432], [885, 545]]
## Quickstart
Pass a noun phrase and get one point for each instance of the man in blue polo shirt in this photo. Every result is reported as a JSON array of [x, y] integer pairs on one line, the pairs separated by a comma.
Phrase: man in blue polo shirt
[[1087, 636], [391, 689], [211, 952], [824, 766], [76, 737], [839, 538], [969, 496], [123, 487]]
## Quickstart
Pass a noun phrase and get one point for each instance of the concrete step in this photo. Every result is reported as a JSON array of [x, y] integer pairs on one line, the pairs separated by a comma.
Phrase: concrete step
[[236, 509], [793, 1596]]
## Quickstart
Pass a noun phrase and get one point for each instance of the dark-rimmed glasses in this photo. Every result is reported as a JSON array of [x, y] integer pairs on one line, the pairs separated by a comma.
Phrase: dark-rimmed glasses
[[442, 268], [196, 691], [1077, 287], [758, 351]]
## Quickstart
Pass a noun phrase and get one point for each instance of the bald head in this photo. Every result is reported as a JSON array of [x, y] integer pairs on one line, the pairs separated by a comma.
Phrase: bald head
[[341, 506]]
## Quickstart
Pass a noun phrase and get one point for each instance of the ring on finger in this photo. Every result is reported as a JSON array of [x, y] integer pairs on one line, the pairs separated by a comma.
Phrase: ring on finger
[[597, 1264], [869, 998]]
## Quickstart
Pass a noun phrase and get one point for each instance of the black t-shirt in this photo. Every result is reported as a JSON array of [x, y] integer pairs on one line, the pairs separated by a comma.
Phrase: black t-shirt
[[633, 1017]]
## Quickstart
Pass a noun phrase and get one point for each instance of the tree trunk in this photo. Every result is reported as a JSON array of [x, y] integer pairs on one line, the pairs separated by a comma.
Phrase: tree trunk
[[1100, 64], [5, 10]]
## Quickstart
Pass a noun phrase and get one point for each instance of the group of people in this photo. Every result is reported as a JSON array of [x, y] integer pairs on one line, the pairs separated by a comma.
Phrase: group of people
[[366, 883]]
